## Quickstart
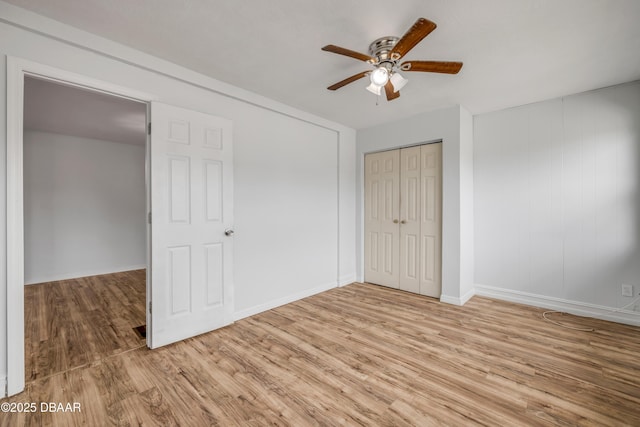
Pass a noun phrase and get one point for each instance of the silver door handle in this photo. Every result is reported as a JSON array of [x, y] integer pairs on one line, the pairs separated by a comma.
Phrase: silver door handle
[[228, 232]]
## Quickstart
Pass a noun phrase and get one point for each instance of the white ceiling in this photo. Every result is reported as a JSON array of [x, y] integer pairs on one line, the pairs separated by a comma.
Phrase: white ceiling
[[68, 110], [514, 51]]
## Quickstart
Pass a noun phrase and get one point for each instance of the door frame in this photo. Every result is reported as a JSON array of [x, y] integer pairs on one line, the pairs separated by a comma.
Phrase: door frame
[[17, 69]]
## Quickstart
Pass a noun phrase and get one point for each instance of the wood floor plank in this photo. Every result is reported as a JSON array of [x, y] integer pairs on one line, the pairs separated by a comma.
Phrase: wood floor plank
[[357, 355]]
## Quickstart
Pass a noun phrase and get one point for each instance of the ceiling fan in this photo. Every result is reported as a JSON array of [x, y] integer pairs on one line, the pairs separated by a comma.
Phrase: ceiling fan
[[385, 54]]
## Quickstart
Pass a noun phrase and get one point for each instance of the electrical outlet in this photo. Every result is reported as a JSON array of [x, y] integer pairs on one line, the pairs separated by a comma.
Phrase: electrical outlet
[[627, 290]]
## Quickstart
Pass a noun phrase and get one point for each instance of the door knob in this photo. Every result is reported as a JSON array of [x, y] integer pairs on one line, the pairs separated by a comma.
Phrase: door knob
[[403, 222], [395, 221], [228, 232]]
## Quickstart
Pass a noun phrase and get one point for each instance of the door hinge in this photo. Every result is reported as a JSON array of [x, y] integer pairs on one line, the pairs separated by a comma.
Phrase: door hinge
[[149, 128], [149, 307], [149, 217]]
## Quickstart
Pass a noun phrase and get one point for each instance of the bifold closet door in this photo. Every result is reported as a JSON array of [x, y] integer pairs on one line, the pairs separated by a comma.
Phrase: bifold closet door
[[382, 205], [403, 219]]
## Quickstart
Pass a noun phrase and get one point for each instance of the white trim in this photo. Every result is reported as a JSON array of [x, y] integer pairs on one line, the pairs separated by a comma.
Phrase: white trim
[[552, 303], [346, 280], [458, 300], [282, 301], [15, 229], [17, 68], [70, 78], [86, 273]]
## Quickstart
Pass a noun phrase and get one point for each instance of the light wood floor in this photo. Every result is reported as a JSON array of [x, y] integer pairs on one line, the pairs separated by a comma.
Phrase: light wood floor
[[363, 355], [74, 322]]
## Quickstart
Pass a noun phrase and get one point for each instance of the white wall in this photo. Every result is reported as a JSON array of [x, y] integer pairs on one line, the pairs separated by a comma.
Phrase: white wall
[[452, 126], [286, 210], [292, 170], [84, 207], [557, 202], [348, 197]]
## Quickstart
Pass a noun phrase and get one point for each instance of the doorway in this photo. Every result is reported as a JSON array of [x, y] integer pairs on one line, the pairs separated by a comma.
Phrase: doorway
[[17, 70], [84, 156]]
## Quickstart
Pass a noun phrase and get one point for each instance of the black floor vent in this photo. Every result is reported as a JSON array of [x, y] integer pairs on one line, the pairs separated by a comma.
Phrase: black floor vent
[[141, 331]]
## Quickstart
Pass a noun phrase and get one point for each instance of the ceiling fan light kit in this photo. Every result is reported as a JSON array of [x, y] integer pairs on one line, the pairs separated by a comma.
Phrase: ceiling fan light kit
[[385, 54]]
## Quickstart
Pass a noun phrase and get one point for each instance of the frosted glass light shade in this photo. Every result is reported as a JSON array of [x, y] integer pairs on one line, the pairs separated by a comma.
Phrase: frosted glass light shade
[[398, 81], [376, 90], [379, 76]]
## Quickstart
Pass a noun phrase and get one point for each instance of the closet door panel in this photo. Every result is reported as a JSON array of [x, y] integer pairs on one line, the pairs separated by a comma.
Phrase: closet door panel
[[382, 199], [410, 208], [431, 220]]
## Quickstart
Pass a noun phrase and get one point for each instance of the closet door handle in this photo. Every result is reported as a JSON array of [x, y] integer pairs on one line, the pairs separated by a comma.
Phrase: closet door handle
[[403, 222], [395, 221]]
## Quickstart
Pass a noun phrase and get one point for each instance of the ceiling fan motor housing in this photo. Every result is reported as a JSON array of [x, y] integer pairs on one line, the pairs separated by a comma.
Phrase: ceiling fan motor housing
[[381, 48]]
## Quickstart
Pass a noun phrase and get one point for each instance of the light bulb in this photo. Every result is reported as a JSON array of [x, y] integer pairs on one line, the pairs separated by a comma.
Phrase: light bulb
[[380, 76]]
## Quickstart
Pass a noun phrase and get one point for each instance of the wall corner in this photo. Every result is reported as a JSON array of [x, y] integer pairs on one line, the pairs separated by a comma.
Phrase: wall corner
[[467, 245]]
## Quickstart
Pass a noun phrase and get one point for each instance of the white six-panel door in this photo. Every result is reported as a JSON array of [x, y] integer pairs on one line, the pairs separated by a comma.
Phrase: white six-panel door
[[191, 207], [403, 219], [382, 200]]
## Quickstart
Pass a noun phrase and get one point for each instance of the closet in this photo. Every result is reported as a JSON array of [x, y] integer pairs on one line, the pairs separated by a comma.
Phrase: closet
[[403, 219]]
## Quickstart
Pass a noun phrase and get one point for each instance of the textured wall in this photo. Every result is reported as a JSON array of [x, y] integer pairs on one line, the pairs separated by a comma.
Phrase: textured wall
[[557, 197]]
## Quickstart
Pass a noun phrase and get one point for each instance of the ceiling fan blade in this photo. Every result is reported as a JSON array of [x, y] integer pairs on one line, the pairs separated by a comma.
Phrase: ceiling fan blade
[[389, 91], [348, 80], [417, 32], [432, 66], [347, 52]]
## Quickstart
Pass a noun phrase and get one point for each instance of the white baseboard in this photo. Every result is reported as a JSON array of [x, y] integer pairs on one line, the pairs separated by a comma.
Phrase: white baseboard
[[67, 276], [282, 301], [627, 317], [457, 300], [347, 279]]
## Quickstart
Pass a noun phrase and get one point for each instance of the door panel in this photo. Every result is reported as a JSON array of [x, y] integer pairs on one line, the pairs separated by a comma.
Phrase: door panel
[[410, 219], [382, 198], [431, 220], [191, 206]]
